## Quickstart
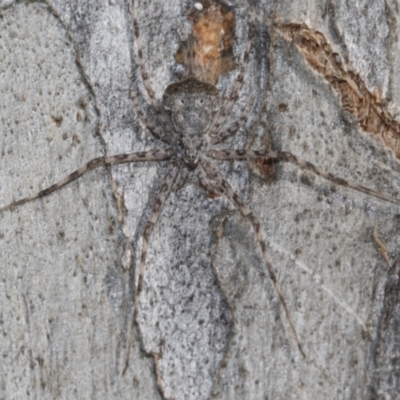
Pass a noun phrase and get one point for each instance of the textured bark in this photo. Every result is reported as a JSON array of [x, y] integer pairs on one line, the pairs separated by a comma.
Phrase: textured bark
[[209, 324]]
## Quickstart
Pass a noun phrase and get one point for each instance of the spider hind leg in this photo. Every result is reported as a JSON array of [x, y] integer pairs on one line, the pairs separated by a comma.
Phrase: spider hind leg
[[211, 177]]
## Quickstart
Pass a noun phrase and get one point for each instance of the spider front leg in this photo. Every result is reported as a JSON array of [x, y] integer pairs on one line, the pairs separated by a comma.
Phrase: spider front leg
[[214, 181], [158, 111], [159, 133], [142, 67], [233, 96], [142, 156], [291, 158], [220, 137]]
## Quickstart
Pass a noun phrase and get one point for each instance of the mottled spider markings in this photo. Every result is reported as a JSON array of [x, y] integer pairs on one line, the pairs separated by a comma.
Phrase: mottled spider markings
[[191, 118]]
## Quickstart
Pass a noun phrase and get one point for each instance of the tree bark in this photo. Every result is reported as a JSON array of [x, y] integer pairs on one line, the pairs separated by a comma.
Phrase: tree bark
[[210, 324]]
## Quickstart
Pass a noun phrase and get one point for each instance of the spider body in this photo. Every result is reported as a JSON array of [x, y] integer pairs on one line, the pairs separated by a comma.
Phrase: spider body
[[191, 106]]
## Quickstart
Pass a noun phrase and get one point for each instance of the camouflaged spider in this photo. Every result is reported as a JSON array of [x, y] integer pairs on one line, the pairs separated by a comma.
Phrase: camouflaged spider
[[196, 114]]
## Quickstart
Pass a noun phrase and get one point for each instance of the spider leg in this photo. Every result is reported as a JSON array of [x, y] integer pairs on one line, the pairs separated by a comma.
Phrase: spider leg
[[160, 116], [211, 177], [291, 158], [143, 71], [157, 132], [163, 193], [166, 186], [220, 137], [142, 156], [233, 96], [180, 179]]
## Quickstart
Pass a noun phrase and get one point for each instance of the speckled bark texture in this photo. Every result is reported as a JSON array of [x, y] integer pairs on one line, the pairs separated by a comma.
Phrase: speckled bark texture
[[210, 325]]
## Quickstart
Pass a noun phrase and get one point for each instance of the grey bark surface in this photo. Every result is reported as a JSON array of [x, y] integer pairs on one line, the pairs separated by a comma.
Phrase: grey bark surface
[[210, 324]]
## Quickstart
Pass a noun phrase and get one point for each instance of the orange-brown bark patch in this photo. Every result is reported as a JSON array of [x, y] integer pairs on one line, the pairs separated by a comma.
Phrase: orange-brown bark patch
[[213, 34], [353, 93]]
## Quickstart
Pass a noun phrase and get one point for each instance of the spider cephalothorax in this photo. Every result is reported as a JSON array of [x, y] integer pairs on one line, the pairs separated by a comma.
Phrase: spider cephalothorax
[[192, 106]]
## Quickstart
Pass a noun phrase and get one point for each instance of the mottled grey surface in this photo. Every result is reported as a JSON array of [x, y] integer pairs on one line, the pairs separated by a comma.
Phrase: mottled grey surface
[[385, 377], [208, 315]]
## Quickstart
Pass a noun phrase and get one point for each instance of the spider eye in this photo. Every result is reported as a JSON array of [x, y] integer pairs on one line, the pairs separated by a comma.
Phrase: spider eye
[[182, 101], [201, 101]]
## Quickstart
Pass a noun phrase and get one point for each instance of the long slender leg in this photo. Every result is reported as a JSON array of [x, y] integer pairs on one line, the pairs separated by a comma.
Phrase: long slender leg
[[142, 156], [220, 137], [233, 96], [191, 57], [143, 70], [163, 193], [156, 131], [155, 213], [180, 179], [291, 158], [214, 178], [161, 133]]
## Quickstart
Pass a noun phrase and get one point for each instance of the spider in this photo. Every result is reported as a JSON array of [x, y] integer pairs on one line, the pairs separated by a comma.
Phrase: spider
[[191, 119]]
